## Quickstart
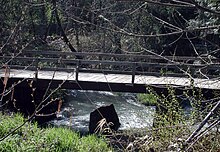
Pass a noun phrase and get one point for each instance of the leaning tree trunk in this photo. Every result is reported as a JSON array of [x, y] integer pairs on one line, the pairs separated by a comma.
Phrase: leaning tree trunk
[[66, 40]]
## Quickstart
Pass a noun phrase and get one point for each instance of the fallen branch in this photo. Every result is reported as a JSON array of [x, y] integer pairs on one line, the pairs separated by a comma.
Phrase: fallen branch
[[189, 140]]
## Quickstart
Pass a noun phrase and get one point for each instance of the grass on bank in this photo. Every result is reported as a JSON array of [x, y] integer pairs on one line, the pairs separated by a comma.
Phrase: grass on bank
[[147, 99], [31, 138]]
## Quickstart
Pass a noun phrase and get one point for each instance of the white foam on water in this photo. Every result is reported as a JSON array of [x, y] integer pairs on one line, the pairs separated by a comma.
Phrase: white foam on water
[[131, 113], [99, 92]]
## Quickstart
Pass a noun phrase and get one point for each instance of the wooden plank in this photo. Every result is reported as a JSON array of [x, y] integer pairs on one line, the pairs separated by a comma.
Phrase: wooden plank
[[90, 77], [118, 78], [115, 78]]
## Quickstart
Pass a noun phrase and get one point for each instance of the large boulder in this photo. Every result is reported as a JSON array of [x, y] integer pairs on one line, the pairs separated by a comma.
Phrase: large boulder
[[104, 118]]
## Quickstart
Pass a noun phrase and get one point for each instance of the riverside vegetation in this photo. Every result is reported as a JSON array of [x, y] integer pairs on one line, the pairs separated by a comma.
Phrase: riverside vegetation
[[172, 127], [34, 139], [169, 132]]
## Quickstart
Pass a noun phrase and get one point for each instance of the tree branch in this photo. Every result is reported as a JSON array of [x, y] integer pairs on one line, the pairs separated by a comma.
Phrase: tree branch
[[204, 9], [202, 123]]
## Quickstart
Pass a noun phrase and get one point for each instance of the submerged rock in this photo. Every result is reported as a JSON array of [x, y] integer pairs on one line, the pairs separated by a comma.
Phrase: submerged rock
[[103, 119]]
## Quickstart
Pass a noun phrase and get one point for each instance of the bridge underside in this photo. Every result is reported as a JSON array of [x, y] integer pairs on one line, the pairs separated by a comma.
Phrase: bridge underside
[[79, 85], [42, 85]]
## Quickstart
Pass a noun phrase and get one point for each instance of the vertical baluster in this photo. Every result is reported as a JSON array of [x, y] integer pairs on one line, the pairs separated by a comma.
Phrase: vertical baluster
[[36, 68], [77, 69], [133, 72]]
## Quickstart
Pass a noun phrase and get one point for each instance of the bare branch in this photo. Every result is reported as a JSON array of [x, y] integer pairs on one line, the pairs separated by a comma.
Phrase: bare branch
[[201, 125], [178, 4]]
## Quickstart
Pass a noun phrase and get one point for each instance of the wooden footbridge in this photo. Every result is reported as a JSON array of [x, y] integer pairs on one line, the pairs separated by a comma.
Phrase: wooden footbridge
[[107, 71]]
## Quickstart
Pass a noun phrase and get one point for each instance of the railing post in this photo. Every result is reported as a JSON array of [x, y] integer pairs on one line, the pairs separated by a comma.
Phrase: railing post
[[133, 72], [36, 69], [77, 69]]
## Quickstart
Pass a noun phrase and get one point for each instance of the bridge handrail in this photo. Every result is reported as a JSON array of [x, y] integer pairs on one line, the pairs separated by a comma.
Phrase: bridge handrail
[[95, 65], [134, 56], [108, 62]]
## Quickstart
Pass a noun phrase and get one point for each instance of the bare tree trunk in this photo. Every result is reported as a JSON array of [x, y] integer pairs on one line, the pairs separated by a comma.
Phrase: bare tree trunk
[[66, 40], [77, 37], [48, 27], [32, 24]]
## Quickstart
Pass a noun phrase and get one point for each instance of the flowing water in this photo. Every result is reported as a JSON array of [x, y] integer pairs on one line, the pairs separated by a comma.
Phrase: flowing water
[[78, 105]]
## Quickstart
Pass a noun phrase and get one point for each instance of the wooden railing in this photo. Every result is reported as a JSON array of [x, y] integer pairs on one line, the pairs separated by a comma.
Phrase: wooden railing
[[114, 63]]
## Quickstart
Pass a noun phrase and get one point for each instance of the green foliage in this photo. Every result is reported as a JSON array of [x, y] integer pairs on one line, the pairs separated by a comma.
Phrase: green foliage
[[147, 99], [87, 144], [63, 139], [169, 110], [7, 123], [33, 139]]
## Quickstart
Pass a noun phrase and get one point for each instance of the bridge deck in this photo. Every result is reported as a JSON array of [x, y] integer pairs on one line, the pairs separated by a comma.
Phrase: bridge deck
[[112, 78]]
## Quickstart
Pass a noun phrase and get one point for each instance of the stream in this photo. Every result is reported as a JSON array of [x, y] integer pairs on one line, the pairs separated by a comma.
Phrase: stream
[[76, 110]]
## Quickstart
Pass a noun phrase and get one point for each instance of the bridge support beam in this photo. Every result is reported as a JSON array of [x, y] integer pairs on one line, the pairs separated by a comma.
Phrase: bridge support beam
[[133, 73]]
